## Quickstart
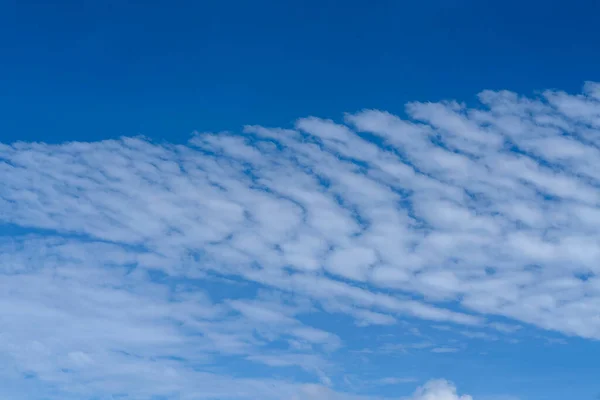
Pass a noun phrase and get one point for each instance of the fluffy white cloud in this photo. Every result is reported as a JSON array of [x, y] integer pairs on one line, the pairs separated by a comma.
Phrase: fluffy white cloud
[[438, 390], [138, 262]]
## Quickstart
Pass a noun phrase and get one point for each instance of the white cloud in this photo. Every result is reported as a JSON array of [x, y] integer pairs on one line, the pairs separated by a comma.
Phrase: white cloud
[[444, 350], [159, 258], [438, 390]]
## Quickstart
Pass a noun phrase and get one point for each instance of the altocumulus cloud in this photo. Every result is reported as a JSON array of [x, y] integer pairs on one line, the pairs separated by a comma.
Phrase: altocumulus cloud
[[133, 268]]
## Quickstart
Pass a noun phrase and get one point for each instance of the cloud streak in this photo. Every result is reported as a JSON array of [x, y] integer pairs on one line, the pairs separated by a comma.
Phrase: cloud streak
[[159, 257]]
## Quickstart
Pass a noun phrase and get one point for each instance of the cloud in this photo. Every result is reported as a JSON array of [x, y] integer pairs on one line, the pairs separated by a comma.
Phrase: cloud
[[145, 267], [394, 381], [438, 390], [444, 350]]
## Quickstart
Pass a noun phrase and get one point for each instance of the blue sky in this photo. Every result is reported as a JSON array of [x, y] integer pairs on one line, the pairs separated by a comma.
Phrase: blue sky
[[110, 68], [328, 200]]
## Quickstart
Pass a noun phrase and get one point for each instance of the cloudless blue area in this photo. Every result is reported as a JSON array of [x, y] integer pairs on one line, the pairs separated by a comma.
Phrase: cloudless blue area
[[86, 70]]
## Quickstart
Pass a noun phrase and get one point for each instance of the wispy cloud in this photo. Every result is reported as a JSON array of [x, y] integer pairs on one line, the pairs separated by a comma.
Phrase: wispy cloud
[[442, 350], [140, 263], [395, 381]]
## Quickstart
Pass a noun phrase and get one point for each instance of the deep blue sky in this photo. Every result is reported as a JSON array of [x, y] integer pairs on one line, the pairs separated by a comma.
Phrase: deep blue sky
[[96, 69]]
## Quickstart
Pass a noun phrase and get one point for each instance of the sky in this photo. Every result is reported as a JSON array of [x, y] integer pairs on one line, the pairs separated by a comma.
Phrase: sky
[[304, 200]]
